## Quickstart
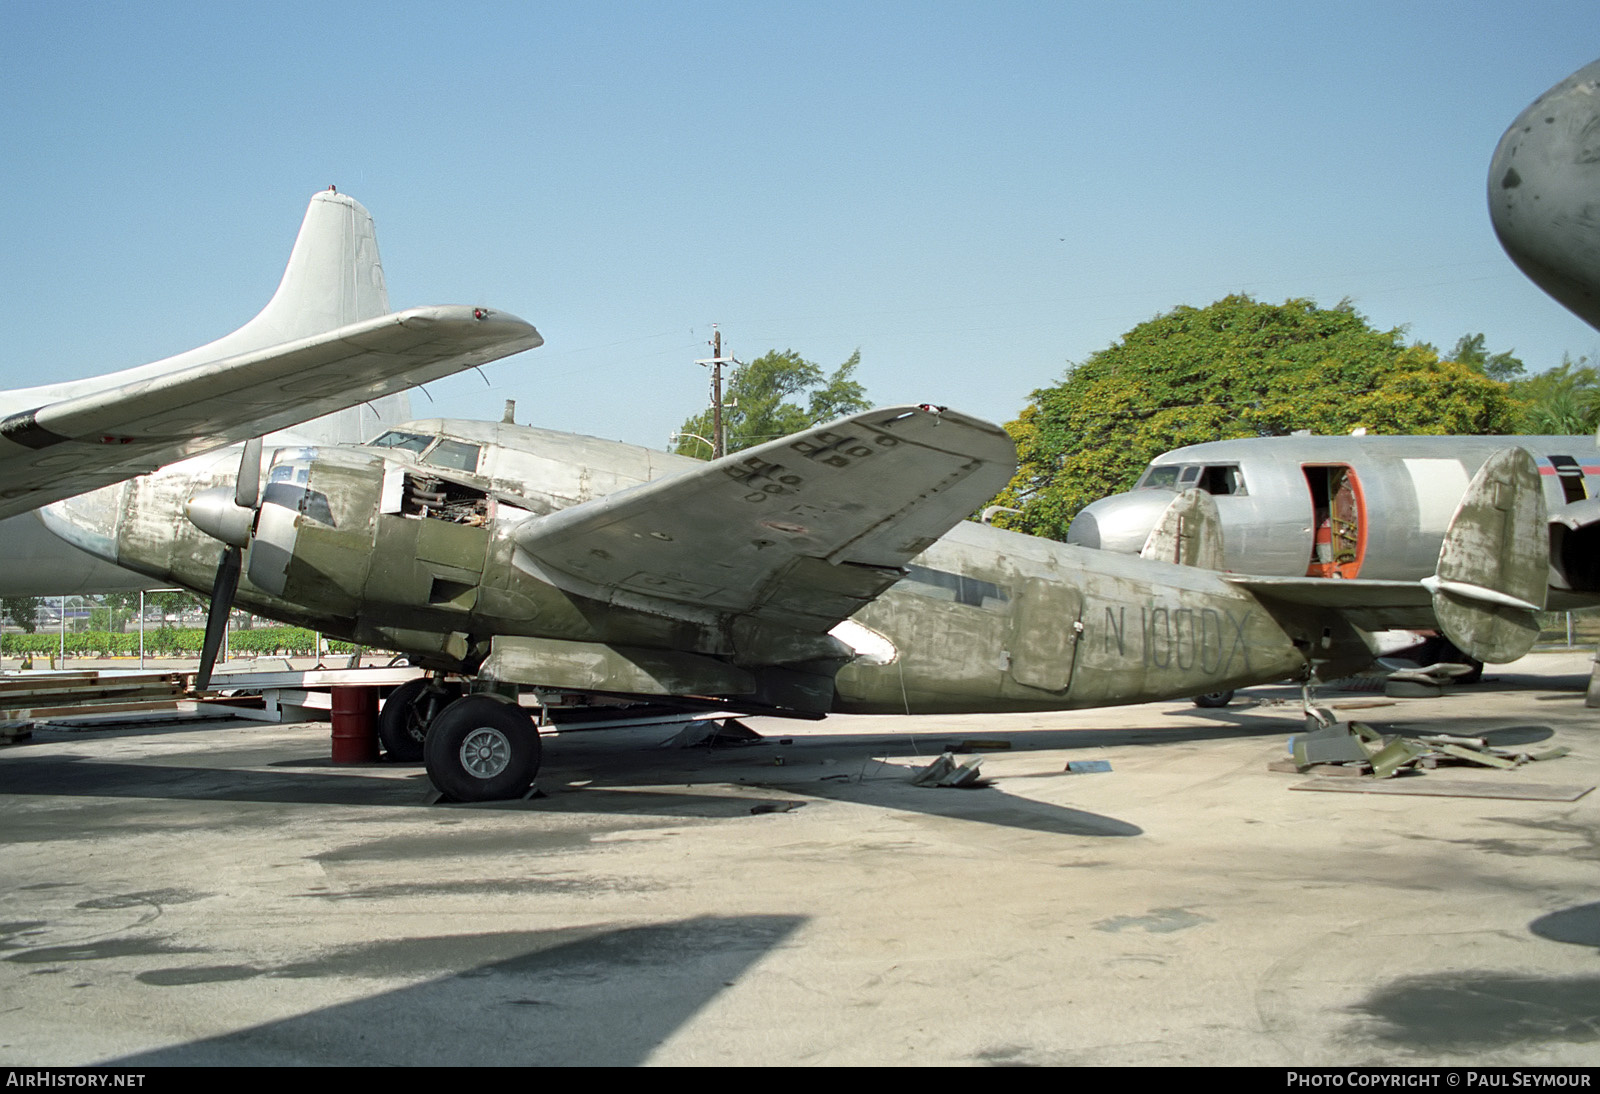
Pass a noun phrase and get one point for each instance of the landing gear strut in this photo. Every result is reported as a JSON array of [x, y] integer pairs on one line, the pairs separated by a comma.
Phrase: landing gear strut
[[410, 709], [482, 748]]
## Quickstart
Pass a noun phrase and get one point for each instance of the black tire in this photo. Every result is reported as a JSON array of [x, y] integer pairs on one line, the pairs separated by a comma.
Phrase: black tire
[[1213, 699], [482, 748], [403, 721]]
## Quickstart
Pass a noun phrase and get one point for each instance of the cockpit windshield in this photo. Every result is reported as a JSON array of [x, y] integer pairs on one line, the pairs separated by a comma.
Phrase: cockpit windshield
[[411, 442], [1215, 479], [1164, 477]]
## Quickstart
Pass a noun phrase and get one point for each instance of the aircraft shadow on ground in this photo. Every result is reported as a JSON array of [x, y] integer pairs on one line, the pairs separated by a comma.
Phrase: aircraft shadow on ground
[[1471, 1010], [628, 780], [560, 997]]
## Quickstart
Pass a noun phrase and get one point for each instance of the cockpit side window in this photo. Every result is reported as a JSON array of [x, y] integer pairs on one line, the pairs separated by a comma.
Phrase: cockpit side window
[[1190, 473], [411, 442], [1222, 479], [456, 455]]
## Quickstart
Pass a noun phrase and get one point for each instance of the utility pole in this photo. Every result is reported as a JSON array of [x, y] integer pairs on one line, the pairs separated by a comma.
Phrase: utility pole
[[719, 443], [719, 440]]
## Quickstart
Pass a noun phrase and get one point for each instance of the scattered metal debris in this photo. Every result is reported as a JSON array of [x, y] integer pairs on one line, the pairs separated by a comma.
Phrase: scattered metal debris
[[1087, 767], [946, 771], [1335, 748], [713, 733]]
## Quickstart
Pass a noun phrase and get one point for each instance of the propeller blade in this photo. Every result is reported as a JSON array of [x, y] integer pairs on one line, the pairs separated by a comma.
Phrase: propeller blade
[[247, 488], [222, 591]]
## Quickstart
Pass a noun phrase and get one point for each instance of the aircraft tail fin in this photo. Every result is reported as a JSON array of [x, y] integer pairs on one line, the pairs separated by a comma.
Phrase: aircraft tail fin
[[334, 278], [1493, 570], [1188, 533]]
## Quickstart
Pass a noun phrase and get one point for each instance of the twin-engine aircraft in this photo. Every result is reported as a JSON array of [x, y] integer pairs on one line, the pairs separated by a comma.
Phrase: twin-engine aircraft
[[325, 341], [831, 570]]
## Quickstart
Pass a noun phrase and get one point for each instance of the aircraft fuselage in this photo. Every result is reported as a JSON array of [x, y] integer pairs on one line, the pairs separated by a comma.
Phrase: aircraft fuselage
[[390, 550]]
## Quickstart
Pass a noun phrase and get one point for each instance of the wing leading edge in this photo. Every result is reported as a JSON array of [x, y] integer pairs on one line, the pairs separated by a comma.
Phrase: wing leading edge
[[91, 440]]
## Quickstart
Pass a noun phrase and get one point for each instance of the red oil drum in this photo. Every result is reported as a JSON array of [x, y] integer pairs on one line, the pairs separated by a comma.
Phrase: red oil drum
[[355, 725]]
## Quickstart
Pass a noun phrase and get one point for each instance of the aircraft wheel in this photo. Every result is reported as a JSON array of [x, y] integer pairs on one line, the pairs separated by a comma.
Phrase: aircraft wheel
[[482, 748], [1213, 699], [403, 721]]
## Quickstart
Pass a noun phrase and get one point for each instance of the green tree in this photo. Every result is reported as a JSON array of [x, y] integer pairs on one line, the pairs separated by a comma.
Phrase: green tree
[[1564, 399], [22, 610], [1238, 368], [757, 404], [1471, 351]]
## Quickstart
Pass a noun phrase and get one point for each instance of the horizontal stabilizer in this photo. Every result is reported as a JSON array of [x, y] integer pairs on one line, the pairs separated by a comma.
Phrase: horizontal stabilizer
[[1578, 514], [1494, 563], [1368, 604], [1189, 533], [797, 534]]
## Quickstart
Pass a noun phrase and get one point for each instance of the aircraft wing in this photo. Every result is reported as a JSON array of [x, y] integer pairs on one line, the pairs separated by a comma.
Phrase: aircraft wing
[[799, 533], [1370, 605], [79, 444]]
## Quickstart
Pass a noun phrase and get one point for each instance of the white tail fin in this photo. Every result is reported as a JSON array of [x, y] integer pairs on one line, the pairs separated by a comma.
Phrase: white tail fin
[[334, 278]]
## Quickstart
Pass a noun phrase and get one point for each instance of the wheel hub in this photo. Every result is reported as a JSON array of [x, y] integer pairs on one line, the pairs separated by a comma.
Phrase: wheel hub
[[485, 752]]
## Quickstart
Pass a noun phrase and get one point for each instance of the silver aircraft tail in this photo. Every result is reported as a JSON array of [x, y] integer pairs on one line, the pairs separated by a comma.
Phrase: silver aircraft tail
[[1494, 563], [334, 278]]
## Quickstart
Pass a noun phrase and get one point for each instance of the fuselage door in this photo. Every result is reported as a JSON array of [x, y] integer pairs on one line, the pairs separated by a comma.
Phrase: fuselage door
[[1044, 636], [1338, 521]]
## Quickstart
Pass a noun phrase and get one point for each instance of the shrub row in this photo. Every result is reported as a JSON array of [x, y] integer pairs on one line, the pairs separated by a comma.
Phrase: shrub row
[[166, 641]]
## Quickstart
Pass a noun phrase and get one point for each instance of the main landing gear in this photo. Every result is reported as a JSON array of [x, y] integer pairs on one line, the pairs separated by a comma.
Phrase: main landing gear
[[410, 709], [481, 747]]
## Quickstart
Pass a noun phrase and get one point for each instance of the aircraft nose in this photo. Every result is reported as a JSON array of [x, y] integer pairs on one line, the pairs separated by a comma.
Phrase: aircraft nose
[[1121, 522], [88, 521], [1542, 181]]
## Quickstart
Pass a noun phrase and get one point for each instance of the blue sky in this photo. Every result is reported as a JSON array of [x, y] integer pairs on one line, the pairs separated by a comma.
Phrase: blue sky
[[972, 194]]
